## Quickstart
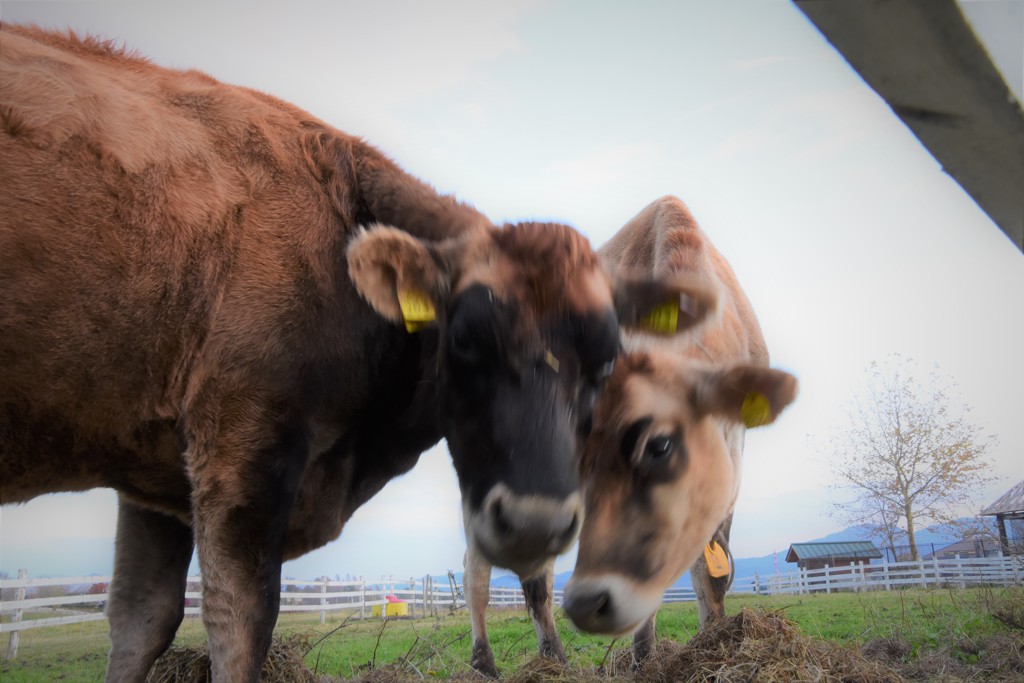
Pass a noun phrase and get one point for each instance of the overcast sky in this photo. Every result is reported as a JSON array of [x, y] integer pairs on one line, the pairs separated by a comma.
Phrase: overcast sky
[[848, 238]]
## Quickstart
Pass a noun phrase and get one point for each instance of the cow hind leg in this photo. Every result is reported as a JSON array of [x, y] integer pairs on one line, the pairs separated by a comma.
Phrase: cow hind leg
[[241, 518], [539, 592], [477, 580], [147, 595]]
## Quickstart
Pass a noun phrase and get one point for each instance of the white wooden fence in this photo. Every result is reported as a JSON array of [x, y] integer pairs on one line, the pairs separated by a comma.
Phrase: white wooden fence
[[425, 597], [858, 576]]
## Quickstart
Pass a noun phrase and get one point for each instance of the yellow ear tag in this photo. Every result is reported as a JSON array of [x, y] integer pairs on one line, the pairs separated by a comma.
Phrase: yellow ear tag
[[717, 560], [417, 309], [663, 319], [756, 410]]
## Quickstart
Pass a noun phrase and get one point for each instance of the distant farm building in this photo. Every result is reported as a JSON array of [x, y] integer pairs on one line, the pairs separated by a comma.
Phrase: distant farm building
[[1008, 510], [817, 555], [967, 548]]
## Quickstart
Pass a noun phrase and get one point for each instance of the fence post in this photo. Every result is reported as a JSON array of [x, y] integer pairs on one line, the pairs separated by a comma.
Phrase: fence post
[[757, 584], [924, 575], [19, 595], [828, 580], [362, 598], [960, 572], [935, 568], [323, 600], [885, 573]]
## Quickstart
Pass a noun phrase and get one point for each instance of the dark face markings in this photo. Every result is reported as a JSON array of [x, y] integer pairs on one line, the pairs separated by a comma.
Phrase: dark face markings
[[595, 337], [522, 399]]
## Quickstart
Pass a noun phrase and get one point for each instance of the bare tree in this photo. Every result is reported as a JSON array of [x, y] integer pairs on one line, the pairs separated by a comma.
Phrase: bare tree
[[878, 517], [908, 455]]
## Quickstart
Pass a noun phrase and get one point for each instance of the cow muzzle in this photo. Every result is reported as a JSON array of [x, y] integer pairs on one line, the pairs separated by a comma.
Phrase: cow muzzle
[[521, 532], [609, 604]]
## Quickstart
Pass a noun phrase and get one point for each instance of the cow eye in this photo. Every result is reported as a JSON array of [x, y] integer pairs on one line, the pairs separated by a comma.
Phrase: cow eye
[[658, 448]]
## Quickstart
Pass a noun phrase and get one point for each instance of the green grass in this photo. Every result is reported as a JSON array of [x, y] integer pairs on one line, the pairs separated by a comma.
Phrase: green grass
[[439, 647]]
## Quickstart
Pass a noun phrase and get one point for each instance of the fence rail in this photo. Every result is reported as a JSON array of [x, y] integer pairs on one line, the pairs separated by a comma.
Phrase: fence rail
[[428, 597], [857, 576]]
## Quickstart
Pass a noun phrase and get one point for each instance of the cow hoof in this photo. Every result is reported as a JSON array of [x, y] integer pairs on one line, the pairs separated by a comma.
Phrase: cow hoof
[[554, 653], [485, 669], [482, 660]]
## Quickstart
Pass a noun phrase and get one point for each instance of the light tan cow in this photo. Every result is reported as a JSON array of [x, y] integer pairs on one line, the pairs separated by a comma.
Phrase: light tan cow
[[661, 468], [675, 403]]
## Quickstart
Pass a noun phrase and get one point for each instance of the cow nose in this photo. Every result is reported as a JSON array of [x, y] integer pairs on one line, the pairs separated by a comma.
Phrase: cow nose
[[533, 526], [590, 609]]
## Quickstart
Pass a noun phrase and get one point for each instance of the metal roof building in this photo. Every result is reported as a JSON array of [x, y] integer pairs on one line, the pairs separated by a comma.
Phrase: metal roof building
[[1010, 503], [817, 555], [1009, 506]]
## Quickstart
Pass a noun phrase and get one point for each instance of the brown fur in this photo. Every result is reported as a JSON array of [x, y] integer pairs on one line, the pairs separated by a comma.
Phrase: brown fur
[[184, 242]]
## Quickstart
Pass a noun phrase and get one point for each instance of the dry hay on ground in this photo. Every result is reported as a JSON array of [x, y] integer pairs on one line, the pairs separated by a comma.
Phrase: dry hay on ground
[[752, 646], [760, 646], [997, 659], [284, 664]]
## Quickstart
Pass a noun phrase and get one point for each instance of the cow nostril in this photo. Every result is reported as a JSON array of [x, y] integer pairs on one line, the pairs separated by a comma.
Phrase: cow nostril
[[583, 609]]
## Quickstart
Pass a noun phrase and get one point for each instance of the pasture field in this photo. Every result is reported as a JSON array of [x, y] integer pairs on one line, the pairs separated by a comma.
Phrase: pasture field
[[924, 621]]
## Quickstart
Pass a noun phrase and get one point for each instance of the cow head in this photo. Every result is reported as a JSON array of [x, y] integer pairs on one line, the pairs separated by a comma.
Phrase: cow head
[[659, 474], [529, 331]]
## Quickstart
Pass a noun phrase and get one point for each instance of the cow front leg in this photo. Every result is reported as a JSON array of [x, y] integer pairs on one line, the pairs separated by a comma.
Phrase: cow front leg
[[643, 642], [242, 500], [147, 594], [539, 592], [477, 584], [711, 590]]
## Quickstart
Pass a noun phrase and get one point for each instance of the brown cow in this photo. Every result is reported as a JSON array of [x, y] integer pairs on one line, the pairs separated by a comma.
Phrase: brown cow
[[661, 468], [190, 315]]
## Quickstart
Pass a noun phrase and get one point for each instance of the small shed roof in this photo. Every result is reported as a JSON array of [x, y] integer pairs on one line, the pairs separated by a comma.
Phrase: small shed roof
[[964, 546], [848, 550], [1010, 502]]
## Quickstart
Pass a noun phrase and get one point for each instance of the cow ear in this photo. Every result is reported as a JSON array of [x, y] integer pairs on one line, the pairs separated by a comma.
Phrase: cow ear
[[747, 394], [664, 307], [403, 278]]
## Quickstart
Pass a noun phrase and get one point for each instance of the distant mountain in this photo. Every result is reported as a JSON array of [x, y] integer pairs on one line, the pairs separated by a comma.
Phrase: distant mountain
[[507, 581], [765, 565], [512, 581]]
